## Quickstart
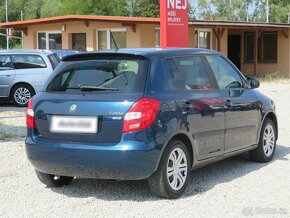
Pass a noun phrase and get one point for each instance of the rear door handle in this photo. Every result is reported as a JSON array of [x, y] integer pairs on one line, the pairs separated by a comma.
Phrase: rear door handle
[[185, 107], [228, 103]]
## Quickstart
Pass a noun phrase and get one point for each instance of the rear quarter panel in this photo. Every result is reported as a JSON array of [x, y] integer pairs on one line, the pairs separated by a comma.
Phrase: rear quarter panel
[[170, 120]]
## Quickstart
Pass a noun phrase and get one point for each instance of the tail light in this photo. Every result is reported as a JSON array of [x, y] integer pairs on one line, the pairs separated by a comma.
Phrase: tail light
[[141, 115], [30, 115], [51, 62]]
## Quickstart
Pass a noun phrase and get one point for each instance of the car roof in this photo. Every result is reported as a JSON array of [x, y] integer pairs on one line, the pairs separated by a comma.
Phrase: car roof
[[141, 52], [25, 51]]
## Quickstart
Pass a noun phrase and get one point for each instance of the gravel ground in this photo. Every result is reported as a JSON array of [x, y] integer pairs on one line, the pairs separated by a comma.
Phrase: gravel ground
[[234, 187]]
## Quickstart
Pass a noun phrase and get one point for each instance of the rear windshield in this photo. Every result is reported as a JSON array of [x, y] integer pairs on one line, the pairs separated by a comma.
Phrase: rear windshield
[[122, 75]]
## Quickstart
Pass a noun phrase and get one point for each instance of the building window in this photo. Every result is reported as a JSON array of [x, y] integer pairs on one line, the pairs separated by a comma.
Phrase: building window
[[105, 41], [203, 38], [79, 41], [157, 37], [249, 47], [268, 47], [49, 40]]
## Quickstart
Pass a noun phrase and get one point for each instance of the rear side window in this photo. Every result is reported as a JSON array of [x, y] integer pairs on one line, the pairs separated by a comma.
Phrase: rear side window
[[5, 62], [54, 60], [227, 77], [188, 73], [120, 75], [28, 61]]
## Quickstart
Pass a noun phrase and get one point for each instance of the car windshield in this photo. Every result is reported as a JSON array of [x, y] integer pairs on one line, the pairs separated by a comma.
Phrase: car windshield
[[101, 75]]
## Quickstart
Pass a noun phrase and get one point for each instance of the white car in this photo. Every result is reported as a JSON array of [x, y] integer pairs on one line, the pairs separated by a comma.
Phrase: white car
[[24, 72]]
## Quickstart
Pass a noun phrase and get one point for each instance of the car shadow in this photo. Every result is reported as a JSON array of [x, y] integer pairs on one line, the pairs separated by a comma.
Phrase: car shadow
[[201, 180], [7, 107]]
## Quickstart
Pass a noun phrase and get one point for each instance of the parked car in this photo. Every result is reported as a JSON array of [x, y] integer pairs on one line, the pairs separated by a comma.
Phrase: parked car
[[149, 114], [23, 73], [65, 52]]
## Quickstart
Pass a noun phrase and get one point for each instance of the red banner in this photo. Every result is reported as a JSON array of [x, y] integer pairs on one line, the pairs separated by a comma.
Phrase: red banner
[[173, 23]]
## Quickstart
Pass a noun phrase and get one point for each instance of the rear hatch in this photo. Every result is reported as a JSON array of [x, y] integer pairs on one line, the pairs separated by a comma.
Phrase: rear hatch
[[86, 101]]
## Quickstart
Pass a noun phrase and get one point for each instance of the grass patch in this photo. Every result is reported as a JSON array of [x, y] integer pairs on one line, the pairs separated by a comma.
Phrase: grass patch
[[274, 78], [6, 136]]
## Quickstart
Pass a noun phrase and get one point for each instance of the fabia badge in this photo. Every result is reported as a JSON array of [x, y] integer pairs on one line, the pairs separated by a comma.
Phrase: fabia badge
[[73, 108]]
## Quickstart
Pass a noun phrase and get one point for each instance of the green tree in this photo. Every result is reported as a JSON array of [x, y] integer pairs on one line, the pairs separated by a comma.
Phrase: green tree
[[32, 9], [143, 8], [279, 10], [46, 11], [95, 7], [221, 9]]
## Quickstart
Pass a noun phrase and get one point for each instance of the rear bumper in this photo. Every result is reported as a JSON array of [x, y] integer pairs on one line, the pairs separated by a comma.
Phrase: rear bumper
[[124, 161]]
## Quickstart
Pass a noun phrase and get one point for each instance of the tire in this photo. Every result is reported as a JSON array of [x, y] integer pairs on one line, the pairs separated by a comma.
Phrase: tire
[[20, 94], [50, 181], [267, 143], [163, 185]]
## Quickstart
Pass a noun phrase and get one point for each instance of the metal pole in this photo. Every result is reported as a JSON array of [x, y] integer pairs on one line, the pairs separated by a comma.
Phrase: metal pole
[[247, 11], [7, 38], [267, 11], [22, 31]]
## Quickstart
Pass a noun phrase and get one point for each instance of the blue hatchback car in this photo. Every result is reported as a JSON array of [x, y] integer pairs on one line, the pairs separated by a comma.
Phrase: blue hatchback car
[[153, 114]]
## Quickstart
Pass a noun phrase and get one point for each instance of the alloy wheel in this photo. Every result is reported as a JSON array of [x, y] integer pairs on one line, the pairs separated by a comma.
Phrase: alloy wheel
[[177, 169], [22, 95], [269, 140]]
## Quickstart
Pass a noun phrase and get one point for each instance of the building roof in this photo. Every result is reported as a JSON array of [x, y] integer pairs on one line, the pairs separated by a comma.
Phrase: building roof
[[88, 18], [93, 18], [230, 23]]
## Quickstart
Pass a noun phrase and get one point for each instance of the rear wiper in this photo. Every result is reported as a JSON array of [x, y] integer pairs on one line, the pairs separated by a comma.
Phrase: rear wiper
[[96, 88]]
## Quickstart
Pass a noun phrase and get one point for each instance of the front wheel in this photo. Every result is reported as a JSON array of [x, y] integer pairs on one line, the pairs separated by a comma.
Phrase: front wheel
[[267, 143], [171, 178], [52, 180]]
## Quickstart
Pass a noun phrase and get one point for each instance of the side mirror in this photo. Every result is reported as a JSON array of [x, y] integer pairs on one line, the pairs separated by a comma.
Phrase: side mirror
[[253, 82]]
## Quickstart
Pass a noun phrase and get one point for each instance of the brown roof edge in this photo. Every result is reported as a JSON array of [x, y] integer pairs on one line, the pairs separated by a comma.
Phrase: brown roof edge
[[226, 23], [66, 18]]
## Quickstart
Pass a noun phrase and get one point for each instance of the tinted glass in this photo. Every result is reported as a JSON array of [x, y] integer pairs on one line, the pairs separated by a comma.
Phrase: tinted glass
[[28, 61], [188, 73], [102, 40], [249, 47], [268, 47], [41, 40], [202, 39], [55, 41], [157, 38], [79, 41], [123, 75], [120, 39], [54, 59], [5, 62], [226, 75]]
